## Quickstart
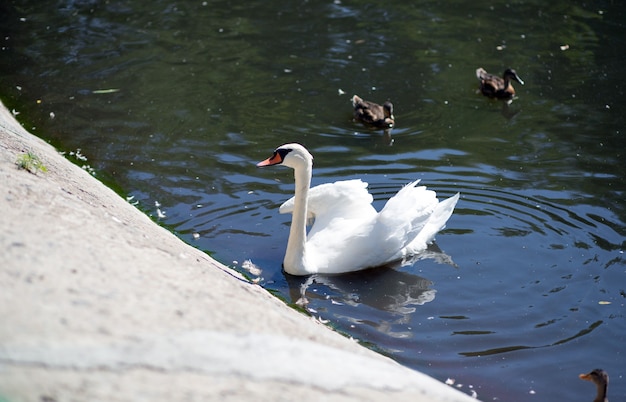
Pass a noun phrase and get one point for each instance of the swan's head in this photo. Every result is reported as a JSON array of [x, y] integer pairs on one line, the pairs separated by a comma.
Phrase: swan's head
[[292, 155]]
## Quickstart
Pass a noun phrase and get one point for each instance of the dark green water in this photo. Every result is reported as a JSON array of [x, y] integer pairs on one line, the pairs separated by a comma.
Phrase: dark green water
[[175, 102]]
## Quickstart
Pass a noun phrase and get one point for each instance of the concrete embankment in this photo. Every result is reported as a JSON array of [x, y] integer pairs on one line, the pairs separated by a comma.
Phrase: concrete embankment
[[98, 303]]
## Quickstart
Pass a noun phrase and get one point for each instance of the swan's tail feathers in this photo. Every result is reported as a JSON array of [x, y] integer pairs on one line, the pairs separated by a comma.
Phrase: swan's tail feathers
[[436, 223]]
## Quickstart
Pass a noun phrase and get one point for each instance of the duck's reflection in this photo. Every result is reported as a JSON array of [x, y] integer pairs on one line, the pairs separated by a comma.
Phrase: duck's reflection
[[387, 137], [385, 288], [508, 111]]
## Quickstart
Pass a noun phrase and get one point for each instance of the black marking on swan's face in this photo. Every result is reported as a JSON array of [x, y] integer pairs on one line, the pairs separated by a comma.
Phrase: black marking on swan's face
[[282, 153]]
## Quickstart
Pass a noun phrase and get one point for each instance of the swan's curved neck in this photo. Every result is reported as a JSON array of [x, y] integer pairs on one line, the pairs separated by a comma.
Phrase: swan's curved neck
[[295, 257]]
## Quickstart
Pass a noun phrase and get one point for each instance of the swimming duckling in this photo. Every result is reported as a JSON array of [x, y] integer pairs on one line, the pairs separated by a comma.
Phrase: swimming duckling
[[496, 87], [601, 379], [373, 114]]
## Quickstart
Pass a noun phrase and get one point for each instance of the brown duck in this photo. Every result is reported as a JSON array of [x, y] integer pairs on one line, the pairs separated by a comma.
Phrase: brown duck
[[601, 379], [373, 114], [496, 87]]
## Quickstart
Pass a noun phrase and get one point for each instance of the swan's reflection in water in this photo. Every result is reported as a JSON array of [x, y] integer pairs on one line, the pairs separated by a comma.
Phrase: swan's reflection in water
[[397, 293]]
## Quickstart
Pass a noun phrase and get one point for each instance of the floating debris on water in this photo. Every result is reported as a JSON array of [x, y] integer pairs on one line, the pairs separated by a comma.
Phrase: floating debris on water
[[105, 91], [160, 213], [251, 267]]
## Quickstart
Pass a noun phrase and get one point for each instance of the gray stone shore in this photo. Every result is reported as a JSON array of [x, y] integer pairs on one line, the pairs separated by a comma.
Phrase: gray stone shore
[[98, 303]]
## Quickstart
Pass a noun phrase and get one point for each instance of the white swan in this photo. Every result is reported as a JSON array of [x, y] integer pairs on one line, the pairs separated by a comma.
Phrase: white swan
[[348, 234]]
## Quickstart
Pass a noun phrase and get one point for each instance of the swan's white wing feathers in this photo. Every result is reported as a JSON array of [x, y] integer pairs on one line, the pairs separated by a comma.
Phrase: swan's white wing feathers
[[349, 196], [351, 236], [411, 219], [369, 240], [435, 223], [342, 245], [404, 215]]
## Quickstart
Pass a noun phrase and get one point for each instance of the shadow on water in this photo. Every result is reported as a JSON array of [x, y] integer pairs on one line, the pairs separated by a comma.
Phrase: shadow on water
[[384, 288], [176, 102]]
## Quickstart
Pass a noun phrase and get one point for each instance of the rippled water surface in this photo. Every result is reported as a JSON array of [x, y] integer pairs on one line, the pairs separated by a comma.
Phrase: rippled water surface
[[173, 103]]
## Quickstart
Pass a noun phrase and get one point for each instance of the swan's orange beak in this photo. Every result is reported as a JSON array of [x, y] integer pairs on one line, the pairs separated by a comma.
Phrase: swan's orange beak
[[272, 160], [584, 377]]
